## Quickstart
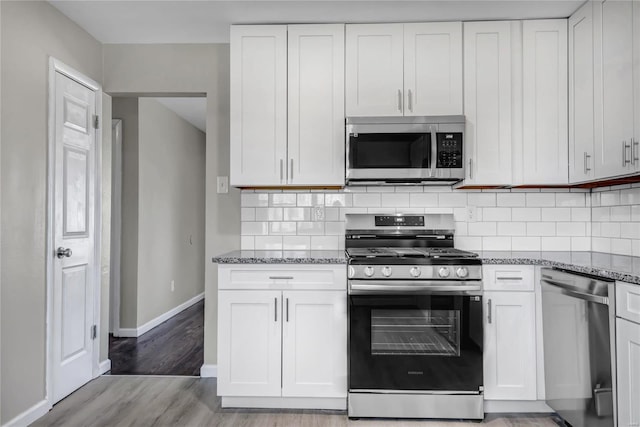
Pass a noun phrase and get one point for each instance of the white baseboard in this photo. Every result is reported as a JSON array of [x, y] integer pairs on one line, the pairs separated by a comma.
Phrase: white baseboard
[[516, 406], [136, 332], [105, 366], [209, 371], [333, 403], [30, 415]]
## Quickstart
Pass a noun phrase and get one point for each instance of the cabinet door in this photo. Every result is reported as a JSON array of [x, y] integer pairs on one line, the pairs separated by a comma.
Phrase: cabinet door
[[433, 69], [316, 105], [374, 70], [510, 345], [581, 95], [249, 339], [628, 365], [258, 104], [487, 102], [544, 82], [314, 344], [615, 47], [636, 80]]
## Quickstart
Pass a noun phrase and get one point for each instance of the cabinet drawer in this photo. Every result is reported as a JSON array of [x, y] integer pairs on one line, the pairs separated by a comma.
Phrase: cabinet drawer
[[282, 276], [628, 301], [508, 277]]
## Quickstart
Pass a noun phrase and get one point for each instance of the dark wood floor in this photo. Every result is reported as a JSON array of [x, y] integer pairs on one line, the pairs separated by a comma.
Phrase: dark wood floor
[[169, 401], [175, 347]]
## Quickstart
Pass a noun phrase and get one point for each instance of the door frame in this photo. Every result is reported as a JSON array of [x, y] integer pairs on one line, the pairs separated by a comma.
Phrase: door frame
[[116, 226], [57, 66]]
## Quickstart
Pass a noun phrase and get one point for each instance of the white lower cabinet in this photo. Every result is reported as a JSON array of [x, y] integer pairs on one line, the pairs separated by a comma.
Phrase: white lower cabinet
[[282, 337], [628, 365], [510, 346]]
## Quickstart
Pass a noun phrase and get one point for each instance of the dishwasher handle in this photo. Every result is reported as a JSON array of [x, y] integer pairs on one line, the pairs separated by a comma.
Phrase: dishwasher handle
[[577, 294]]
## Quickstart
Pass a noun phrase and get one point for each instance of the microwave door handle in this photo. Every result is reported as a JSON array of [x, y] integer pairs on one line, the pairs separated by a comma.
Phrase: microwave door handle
[[434, 152]]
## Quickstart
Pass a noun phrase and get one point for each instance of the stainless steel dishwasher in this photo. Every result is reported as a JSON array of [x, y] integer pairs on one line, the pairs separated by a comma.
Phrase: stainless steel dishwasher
[[578, 315]]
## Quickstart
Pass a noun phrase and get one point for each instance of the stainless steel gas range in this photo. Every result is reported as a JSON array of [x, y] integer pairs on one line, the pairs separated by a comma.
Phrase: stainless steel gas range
[[415, 319]]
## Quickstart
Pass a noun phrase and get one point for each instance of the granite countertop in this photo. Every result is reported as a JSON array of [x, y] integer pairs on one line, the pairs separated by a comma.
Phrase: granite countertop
[[617, 267], [282, 257]]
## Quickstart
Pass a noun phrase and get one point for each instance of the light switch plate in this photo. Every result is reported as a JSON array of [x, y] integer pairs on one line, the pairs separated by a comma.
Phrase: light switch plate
[[223, 184]]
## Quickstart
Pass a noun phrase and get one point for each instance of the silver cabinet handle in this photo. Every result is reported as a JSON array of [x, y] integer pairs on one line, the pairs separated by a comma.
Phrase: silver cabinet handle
[[281, 277], [291, 171], [275, 309], [489, 311], [63, 252], [281, 168], [634, 151], [508, 278], [586, 163], [470, 168], [287, 309], [399, 100], [624, 153], [410, 101]]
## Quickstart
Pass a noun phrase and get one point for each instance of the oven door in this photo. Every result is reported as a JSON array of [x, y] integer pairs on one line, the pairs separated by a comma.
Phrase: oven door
[[421, 342], [380, 152]]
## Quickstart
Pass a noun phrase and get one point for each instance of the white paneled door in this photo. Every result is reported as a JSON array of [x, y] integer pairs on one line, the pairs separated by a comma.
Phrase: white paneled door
[[73, 236]]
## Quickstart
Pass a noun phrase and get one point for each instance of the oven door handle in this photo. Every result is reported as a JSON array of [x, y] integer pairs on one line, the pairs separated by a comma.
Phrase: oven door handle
[[372, 287]]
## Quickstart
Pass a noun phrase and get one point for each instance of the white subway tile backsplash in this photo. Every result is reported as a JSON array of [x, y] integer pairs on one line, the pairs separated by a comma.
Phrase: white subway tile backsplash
[[571, 229], [247, 242], [334, 228], [496, 214], [620, 213], [282, 199], [452, 200], [297, 214], [266, 243], [269, 214], [511, 199], [581, 243], [556, 214], [338, 200], [496, 243], [394, 199], [556, 243], [621, 246], [468, 243], [526, 244], [250, 200], [332, 214], [481, 199], [541, 199], [610, 198], [366, 200], [482, 229], [610, 229], [254, 228], [310, 228], [512, 229], [311, 199], [541, 229], [581, 214], [601, 214], [247, 214], [325, 242], [423, 200], [630, 230], [282, 228], [571, 199], [601, 244], [525, 214], [296, 242]]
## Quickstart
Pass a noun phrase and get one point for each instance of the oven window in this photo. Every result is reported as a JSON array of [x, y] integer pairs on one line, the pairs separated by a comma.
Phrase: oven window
[[415, 332], [383, 150]]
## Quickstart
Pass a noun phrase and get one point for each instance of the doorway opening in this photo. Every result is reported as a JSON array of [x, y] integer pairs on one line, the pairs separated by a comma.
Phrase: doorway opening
[[156, 320]]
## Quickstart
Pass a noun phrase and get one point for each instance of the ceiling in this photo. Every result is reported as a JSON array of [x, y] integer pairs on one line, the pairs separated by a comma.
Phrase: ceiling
[[193, 110], [152, 21]]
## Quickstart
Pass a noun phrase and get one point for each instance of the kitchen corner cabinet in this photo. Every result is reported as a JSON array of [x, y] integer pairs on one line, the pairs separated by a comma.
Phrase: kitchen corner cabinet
[[488, 101], [544, 155], [282, 334], [510, 333], [581, 95], [287, 105], [616, 147], [628, 353], [404, 69]]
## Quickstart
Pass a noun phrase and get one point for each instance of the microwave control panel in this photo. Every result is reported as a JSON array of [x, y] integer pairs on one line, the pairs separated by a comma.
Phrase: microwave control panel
[[449, 150]]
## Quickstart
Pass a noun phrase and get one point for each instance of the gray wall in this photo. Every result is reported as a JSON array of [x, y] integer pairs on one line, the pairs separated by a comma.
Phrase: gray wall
[[31, 32], [127, 110], [202, 68], [171, 210]]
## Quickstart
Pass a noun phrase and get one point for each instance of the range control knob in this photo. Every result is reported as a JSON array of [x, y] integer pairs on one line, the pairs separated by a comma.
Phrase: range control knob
[[368, 271], [386, 271], [352, 272], [444, 272], [415, 272], [462, 272]]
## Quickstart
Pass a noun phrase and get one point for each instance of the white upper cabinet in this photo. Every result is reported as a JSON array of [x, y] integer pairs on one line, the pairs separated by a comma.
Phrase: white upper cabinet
[[433, 69], [316, 105], [488, 101], [287, 105], [616, 151], [258, 105], [545, 120], [581, 95], [404, 69]]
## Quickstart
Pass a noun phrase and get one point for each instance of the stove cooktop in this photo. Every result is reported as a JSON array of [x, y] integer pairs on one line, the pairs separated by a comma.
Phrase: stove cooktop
[[388, 252]]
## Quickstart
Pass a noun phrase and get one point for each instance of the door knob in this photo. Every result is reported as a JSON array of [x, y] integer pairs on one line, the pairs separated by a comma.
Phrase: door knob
[[62, 252]]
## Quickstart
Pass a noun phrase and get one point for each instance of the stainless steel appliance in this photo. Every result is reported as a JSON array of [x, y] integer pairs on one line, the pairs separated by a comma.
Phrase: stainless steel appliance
[[415, 319], [579, 341], [397, 150]]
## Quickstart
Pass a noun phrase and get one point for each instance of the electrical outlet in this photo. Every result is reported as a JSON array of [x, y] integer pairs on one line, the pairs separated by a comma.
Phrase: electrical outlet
[[472, 213], [318, 213], [173, 285], [223, 184]]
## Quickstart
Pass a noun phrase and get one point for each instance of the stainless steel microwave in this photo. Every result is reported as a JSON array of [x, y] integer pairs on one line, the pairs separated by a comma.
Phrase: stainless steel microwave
[[404, 150]]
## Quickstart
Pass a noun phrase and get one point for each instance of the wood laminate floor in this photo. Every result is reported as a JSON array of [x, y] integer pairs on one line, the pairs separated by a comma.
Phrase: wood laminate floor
[[175, 347], [173, 401]]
